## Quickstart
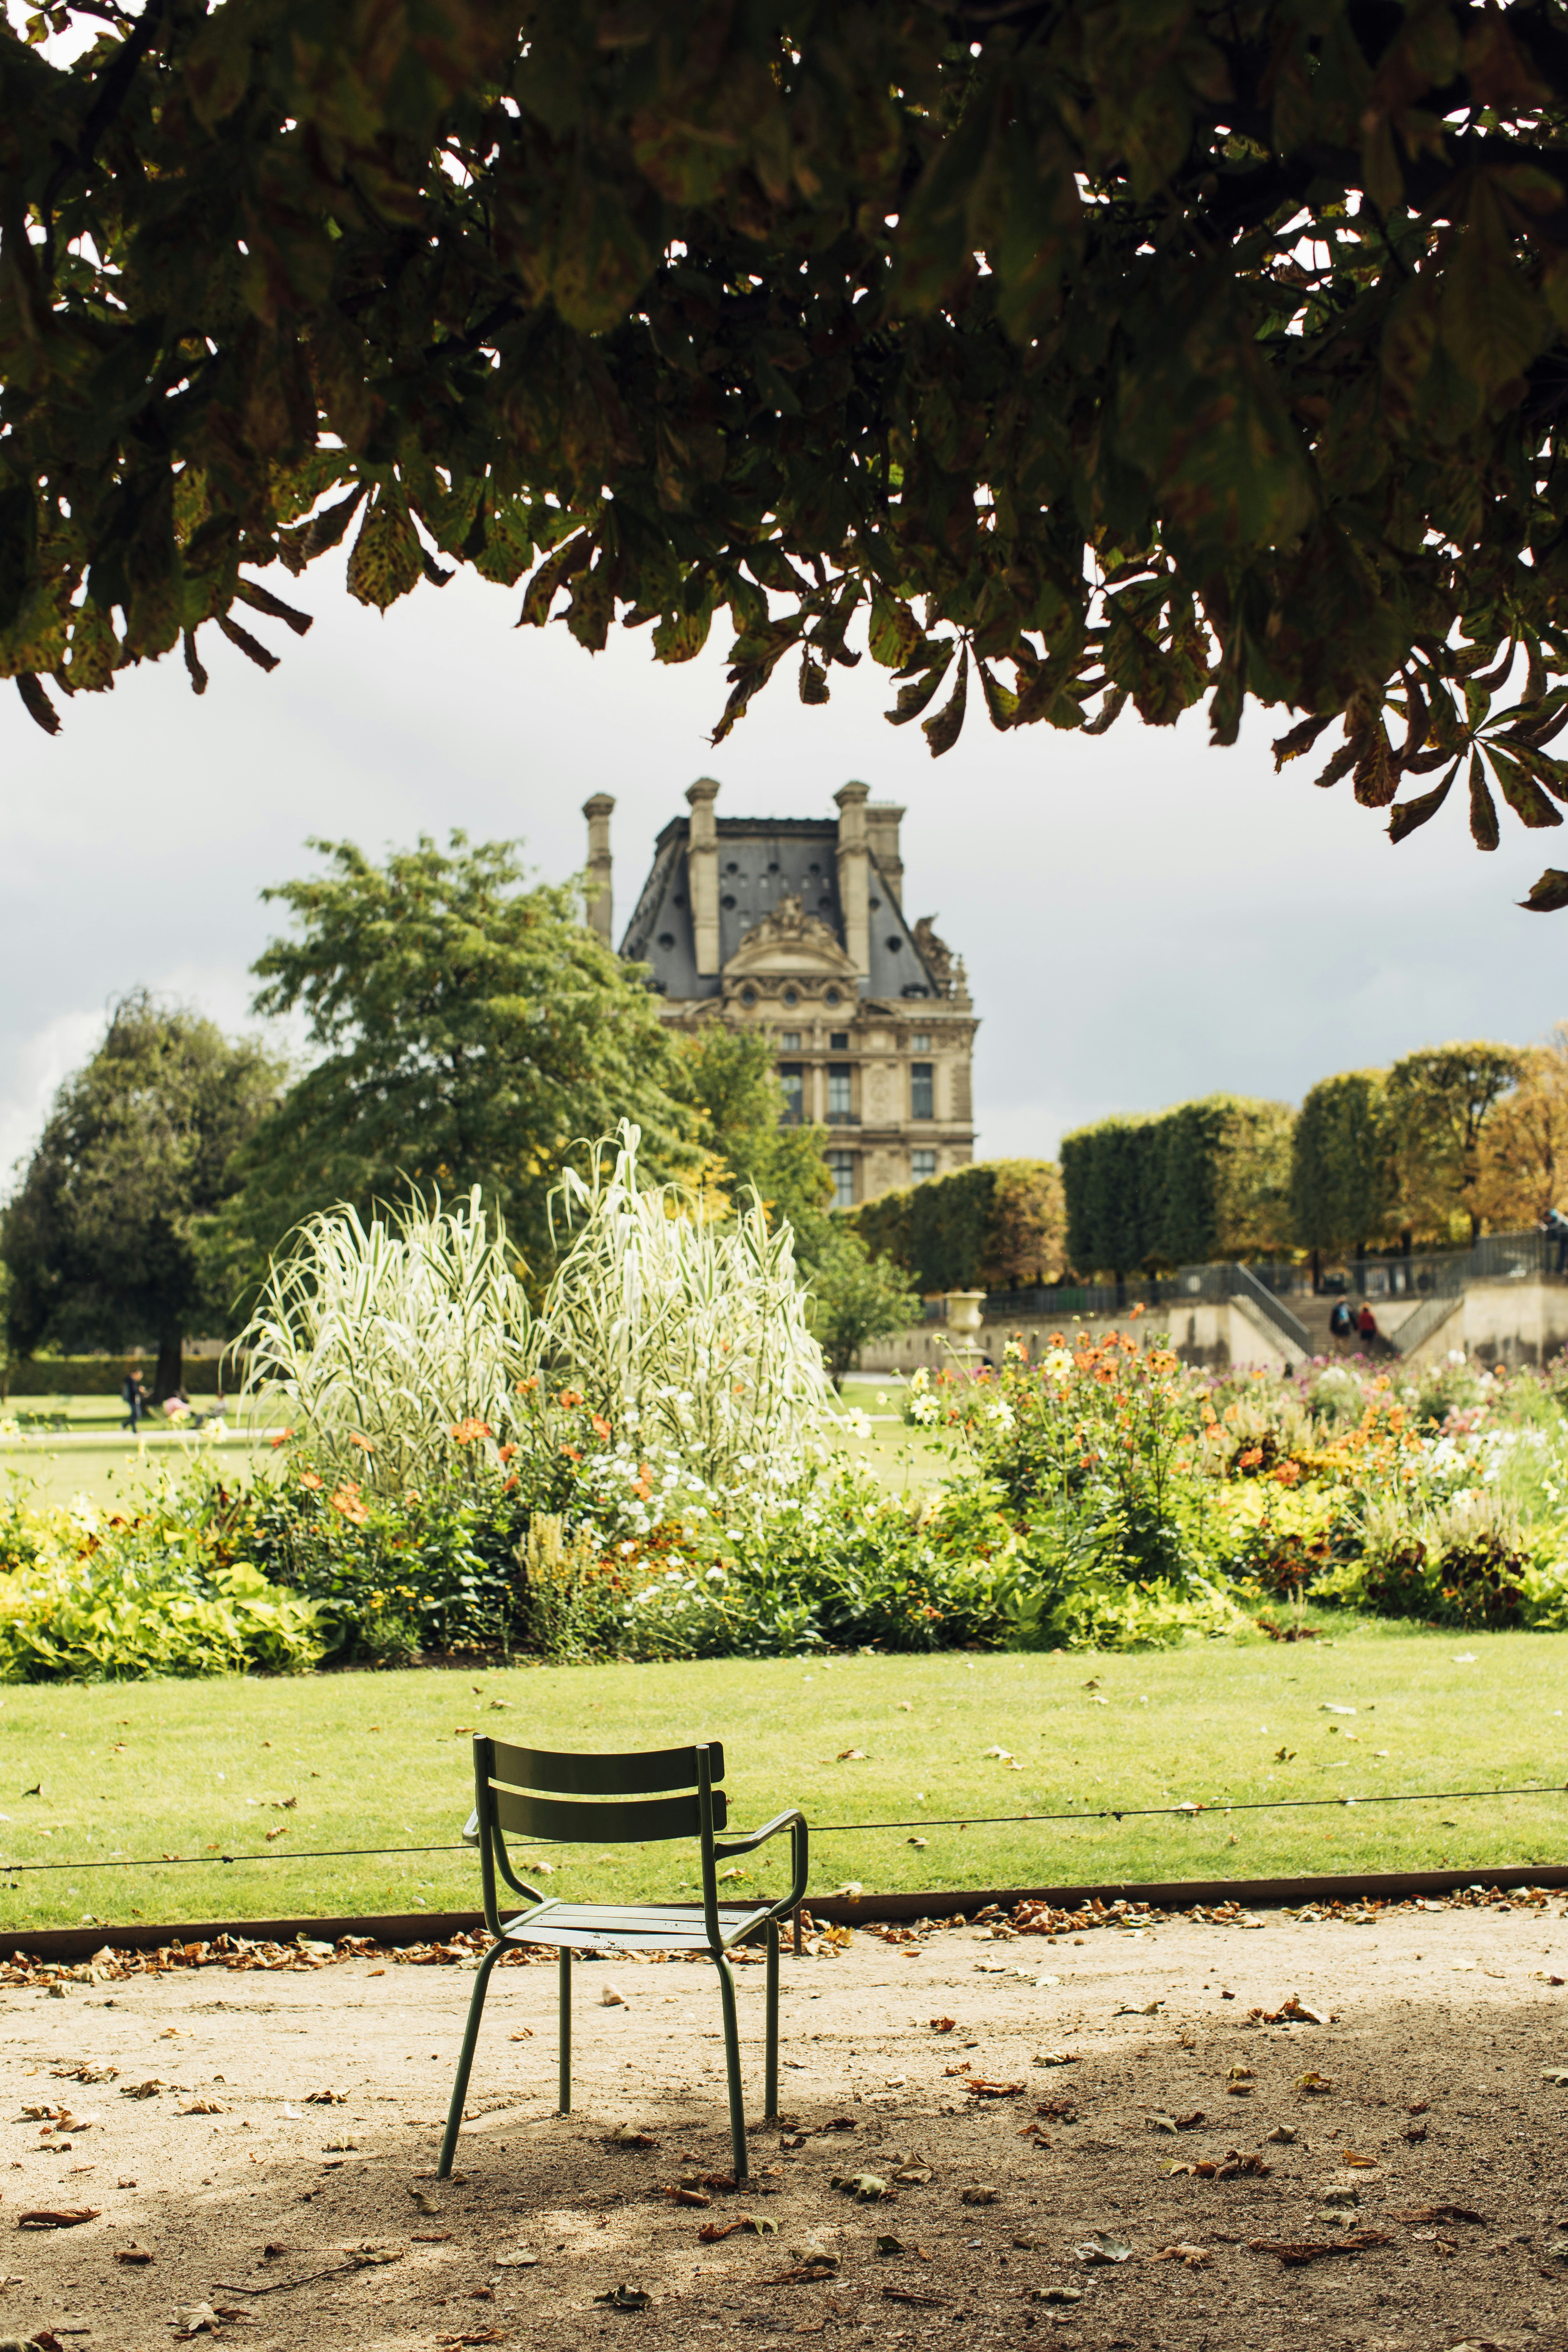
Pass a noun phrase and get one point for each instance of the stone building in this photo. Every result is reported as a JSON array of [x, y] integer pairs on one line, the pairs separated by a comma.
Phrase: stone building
[[795, 927]]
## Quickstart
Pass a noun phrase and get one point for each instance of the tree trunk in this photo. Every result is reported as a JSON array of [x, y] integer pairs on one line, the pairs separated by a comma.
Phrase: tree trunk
[[1475, 1229], [170, 1375], [1317, 1272]]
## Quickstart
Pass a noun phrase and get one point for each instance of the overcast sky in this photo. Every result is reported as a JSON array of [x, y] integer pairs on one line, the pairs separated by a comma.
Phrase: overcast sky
[[1143, 919]]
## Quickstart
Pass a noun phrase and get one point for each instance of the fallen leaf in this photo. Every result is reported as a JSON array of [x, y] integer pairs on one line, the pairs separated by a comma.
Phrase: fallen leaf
[[67, 2217], [148, 2090], [1422, 2215], [1282, 2136], [422, 2204], [1294, 2252], [909, 2295], [1161, 2122], [344, 2146], [625, 2298], [943, 2024], [521, 2258], [199, 2318], [866, 2187], [624, 2135], [133, 2254], [1193, 2258], [326, 2098], [612, 1997], [917, 2175], [981, 2195], [1055, 2295], [982, 2089], [1057, 2058], [1367, 2163], [890, 2245], [1149, 2008], [853, 1756], [693, 2195], [524, 2032], [201, 2107], [1099, 2249], [1557, 2076], [1315, 2084]]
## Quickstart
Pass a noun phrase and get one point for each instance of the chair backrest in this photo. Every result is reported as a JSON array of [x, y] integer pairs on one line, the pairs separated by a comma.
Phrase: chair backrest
[[536, 1793]]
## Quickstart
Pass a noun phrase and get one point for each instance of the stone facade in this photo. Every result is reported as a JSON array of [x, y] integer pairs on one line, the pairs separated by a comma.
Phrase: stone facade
[[794, 927]]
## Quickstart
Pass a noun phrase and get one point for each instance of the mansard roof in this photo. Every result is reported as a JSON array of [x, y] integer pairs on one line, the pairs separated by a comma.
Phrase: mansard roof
[[760, 860]]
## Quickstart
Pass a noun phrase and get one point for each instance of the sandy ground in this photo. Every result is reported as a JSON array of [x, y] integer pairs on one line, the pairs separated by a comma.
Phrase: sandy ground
[[243, 2194]]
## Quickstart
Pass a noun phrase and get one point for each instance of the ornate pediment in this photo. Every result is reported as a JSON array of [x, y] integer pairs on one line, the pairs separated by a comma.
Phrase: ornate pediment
[[789, 939]]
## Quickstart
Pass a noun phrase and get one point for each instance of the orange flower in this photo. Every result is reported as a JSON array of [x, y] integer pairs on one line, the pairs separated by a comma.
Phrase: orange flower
[[510, 1483], [526, 1387], [505, 1452], [1132, 1311], [570, 1397], [282, 1437], [572, 1453], [309, 1478], [601, 1426], [362, 1442], [1251, 1458], [468, 1432], [347, 1501]]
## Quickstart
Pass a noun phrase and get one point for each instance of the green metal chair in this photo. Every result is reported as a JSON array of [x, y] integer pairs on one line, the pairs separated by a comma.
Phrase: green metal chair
[[527, 1792]]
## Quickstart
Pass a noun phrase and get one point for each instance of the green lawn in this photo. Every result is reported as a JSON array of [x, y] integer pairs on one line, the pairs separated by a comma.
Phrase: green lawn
[[94, 1457], [145, 1769]]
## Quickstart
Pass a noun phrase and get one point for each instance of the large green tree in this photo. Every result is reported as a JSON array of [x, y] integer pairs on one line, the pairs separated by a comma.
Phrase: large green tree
[[1095, 353], [727, 1077], [1342, 1165], [104, 1239], [467, 1031], [1440, 1103]]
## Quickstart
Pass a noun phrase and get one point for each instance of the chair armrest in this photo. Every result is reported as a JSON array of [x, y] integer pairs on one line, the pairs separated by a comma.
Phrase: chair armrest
[[471, 1830], [725, 1849]]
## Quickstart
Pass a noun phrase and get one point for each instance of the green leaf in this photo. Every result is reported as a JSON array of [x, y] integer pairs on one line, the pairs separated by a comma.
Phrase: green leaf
[[540, 593], [1519, 790], [1298, 738], [813, 679], [895, 632], [1483, 808], [385, 561], [912, 698], [1411, 814], [1548, 893], [941, 732], [1492, 324]]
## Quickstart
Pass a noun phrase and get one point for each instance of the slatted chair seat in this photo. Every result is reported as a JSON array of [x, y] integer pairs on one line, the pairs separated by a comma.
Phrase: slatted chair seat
[[633, 1926], [534, 1793]]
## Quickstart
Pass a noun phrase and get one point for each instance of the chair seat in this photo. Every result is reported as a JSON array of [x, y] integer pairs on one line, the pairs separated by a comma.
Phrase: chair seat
[[630, 1927]]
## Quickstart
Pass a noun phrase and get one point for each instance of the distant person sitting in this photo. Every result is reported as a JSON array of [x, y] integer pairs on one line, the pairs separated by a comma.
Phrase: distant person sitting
[[135, 1398], [1342, 1322], [1554, 1225], [1366, 1325], [177, 1407]]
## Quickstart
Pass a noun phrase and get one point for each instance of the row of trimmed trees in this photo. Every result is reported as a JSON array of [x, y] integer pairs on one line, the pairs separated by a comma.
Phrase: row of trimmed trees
[[1425, 1154]]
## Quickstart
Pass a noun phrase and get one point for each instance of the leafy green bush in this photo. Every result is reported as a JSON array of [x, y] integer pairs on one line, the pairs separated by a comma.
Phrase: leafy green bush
[[99, 1602]]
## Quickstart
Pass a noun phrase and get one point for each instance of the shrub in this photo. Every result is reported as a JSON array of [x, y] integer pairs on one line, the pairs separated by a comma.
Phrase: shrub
[[104, 1602]]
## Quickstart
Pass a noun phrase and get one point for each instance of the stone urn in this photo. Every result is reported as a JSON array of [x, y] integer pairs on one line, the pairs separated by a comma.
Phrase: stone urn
[[963, 1311]]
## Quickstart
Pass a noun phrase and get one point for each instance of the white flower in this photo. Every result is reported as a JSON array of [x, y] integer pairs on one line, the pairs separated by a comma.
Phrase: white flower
[[1058, 1363]]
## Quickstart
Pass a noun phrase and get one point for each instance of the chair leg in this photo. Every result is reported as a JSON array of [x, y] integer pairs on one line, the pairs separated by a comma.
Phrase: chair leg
[[732, 2068], [466, 2060], [771, 2078], [564, 1978]]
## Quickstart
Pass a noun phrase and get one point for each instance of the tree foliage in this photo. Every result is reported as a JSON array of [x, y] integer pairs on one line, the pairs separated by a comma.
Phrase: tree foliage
[[1085, 355], [1440, 1105], [1525, 1151], [1205, 1180], [855, 1299], [1342, 1174], [104, 1241], [728, 1078], [468, 1031], [999, 1224]]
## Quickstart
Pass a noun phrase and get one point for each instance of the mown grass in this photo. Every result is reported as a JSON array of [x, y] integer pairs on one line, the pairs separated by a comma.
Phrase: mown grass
[[147, 1769], [95, 1458]]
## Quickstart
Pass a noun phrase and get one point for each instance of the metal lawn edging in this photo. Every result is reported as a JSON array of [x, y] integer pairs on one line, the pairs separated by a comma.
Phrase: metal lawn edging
[[415, 1927]]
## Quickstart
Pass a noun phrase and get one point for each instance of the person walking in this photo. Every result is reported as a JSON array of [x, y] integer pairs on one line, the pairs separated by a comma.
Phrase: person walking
[[1366, 1326], [135, 1398], [1342, 1322]]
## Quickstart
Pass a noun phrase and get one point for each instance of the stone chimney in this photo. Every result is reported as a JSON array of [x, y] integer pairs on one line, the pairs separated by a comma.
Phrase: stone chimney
[[883, 819], [703, 872], [600, 900], [854, 889]]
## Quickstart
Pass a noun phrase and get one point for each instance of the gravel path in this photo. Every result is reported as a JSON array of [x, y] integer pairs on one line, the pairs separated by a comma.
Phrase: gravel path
[[1437, 2140]]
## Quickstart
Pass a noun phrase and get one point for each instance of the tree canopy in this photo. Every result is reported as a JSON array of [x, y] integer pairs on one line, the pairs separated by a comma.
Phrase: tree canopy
[[728, 1076], [105, 1240], [468, 1031], [1083, 352]]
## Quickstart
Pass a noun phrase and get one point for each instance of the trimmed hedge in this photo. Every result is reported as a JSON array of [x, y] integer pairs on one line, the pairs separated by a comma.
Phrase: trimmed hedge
[[1205, 1180], [105, 1375], [997, 1226]]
